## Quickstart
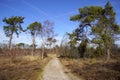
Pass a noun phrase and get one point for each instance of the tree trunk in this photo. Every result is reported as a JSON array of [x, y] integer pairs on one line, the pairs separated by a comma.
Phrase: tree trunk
[[50, 47], [10, 42], [33, 45], [108, 55], [43, 51]]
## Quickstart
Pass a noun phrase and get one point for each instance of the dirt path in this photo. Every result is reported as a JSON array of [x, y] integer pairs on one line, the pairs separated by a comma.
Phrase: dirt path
[[54, 71]]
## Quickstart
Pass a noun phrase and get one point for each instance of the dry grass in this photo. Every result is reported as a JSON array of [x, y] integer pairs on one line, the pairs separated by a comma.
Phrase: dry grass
[[92, 69], [21, 67]]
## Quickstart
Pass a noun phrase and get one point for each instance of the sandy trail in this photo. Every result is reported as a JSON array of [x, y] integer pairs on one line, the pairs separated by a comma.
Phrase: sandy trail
[[54, 71]]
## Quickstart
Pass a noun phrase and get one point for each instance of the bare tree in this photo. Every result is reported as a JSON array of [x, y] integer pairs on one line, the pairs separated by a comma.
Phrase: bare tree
[[46, 32]]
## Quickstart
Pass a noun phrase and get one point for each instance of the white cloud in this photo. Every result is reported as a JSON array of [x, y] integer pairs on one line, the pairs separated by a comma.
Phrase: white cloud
[[35, 8]]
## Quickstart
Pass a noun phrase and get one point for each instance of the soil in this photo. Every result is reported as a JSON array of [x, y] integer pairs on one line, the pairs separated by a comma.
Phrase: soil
[[54, 70]]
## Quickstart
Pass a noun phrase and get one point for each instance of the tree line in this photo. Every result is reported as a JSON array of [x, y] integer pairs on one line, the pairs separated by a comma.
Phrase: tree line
[[97, 26]]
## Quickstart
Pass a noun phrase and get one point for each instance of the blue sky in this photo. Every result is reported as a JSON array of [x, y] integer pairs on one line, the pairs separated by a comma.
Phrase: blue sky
[[57, 11]]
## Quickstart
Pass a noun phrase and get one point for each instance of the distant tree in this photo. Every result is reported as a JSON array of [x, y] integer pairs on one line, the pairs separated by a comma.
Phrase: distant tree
[[51, 41], [31, 46], [101, 22], [20, 45], [13, 25], [56, 49], [34, 29]]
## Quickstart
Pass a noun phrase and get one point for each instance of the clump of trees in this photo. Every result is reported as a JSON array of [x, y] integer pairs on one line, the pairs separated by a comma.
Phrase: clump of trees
[[97, 26], [45, 32]]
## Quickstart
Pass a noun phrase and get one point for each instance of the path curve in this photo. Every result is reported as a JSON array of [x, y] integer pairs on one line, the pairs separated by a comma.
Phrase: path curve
[[54, 71]]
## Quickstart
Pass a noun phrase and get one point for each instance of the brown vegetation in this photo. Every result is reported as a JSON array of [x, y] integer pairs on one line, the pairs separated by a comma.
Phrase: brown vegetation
[[94, 69], [21, 67]]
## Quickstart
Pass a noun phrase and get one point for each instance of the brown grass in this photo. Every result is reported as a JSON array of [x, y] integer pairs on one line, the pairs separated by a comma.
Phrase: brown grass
[[21, 67], [94, 69]]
